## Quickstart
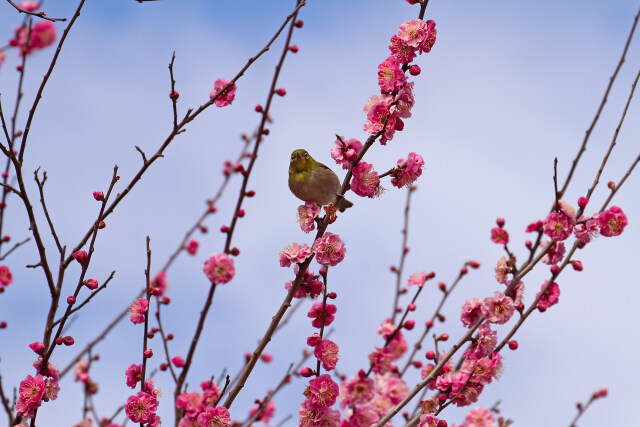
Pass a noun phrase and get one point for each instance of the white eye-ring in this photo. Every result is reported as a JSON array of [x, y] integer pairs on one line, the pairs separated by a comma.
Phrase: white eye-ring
[[306, 155]]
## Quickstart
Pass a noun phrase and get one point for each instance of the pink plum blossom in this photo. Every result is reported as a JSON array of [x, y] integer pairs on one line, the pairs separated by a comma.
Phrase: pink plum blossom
[[133, 375], [407, 170], [557, 226], [346, 153], [137, 310], [430, 38], [293, 254], [413, 33], [365, 180], [191, 403], [5, 276], [192, 247], [306, 216], [219, 268], [379, 110], [30, 394], [498, 309], [327, 353], [417, 279], [555, 253], [471, 312], [612, 222], [587, 228], [484, 345], [309, 287], [479, 417], [404, 101], [322, 391], [313, 415], [550, 297], [356, 391], [502, 271], [29, 6], [316, 313], [226, 97], [499, 236], [390, 77], [391, 386], [159, 283], [401, 50], [267, 412], [329, 249], [214, 417], [381, 359]]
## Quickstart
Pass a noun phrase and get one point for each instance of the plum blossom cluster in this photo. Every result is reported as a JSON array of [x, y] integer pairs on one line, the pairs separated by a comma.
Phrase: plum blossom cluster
[[43, 387], [219, 269], [369, 399], [142, 406], [198, 409]]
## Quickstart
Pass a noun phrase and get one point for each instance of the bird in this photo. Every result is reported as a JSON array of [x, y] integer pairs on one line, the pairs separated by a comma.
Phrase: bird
[[311, 181]]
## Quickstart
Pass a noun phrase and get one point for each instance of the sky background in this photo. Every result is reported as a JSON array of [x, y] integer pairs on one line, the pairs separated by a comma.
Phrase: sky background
[[507, 87]]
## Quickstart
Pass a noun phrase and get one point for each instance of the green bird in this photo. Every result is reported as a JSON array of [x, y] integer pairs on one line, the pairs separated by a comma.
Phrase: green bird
[[311, 181]]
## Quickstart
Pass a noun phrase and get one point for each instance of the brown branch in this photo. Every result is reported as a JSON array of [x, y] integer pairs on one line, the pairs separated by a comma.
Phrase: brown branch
[[16, 246], [191, 115], [403, 252], [583, 147], [174, 99], [32, 111], [146, 315], [44, 206], [36, 14], [617, 187], [5, 403], [164, 341]]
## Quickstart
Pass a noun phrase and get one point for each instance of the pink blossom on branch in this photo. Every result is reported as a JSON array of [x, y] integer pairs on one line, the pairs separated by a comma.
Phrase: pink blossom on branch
[[306, 216], [379, 111], [612, 222], [29, 6], [404, 101], [215, 417], [471, 312], [5, 276], [499, 236], [329, 249], [30, 393], [588, 229], [159, 283], [390, 77], [137, 310], [322, 391], [502, 270], [365, 180], [558, 226], [413, 33], [219, 269], [346, 153], [313, 415], [226, 97], [407, 170], [356, 391], [294, 254], [555, 253], [498, 309], [479, 417], [430, 38], [316, 313], [327, 353], [550, 297], [310, 287], [133, 375], [141, 407]]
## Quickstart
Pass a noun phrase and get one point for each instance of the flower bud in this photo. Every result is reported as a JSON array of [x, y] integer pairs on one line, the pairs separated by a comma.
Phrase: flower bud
[[500, 222], [148, 353], [577, 265], [293, 48], [71, 300], [98, 195], [409, 324], [513, 345], [281, 92], [258, 108], [414, 70], [174, 95], [430, 355], [411, 307], [299, 23], [582, 202], [306, 372]]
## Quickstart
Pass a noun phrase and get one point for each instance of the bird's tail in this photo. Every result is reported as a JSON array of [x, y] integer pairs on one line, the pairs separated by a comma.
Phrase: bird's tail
[[342, 203]]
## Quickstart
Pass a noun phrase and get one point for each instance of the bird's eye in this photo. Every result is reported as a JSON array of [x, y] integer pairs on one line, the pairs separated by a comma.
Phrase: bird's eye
[[306, 155], [293, 157]]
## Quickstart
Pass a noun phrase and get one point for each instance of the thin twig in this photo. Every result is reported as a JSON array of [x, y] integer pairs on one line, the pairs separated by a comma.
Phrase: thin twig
[[36, 14]]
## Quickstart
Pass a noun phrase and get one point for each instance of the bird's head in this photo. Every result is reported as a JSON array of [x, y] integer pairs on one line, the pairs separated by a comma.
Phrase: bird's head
[[301, 161]]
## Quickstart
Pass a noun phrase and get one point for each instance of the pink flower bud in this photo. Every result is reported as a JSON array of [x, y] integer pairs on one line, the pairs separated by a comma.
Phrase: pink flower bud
[[293, 48], [281, 92], [441, 423], [500, 222], [68, 341], [3, 324], [212, 209], [582, 202], [417, 364], [441, 317], [165, 300], [414, 70], [250, 193], [98, 195], [203, 229], [258, 108], [430, 275], [5, 175], [332, 295], [577, 265], [513, 345], [474, 264], [323, 272], [150, 335], [37, 347], [527, 243], [224, 229], [59, 341], [442, 398], [411, 307], [442, 286], [164, 366], [443, 337], [101, 225], [299, 23], [178, 361], [241, 213], [405, 249], [306, 372], [148, 353], [235, 251], [80, 256], [430, 355], [91, 284], [247, 356], [174, 95], [393, 269], [611, 185], [266, 357], [464, 270], [555, 269], [409, 324], [169, 337], [429, 323], [71, 300]]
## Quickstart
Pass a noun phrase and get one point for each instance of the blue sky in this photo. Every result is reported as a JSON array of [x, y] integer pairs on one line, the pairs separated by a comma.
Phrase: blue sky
[[507, 87]]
